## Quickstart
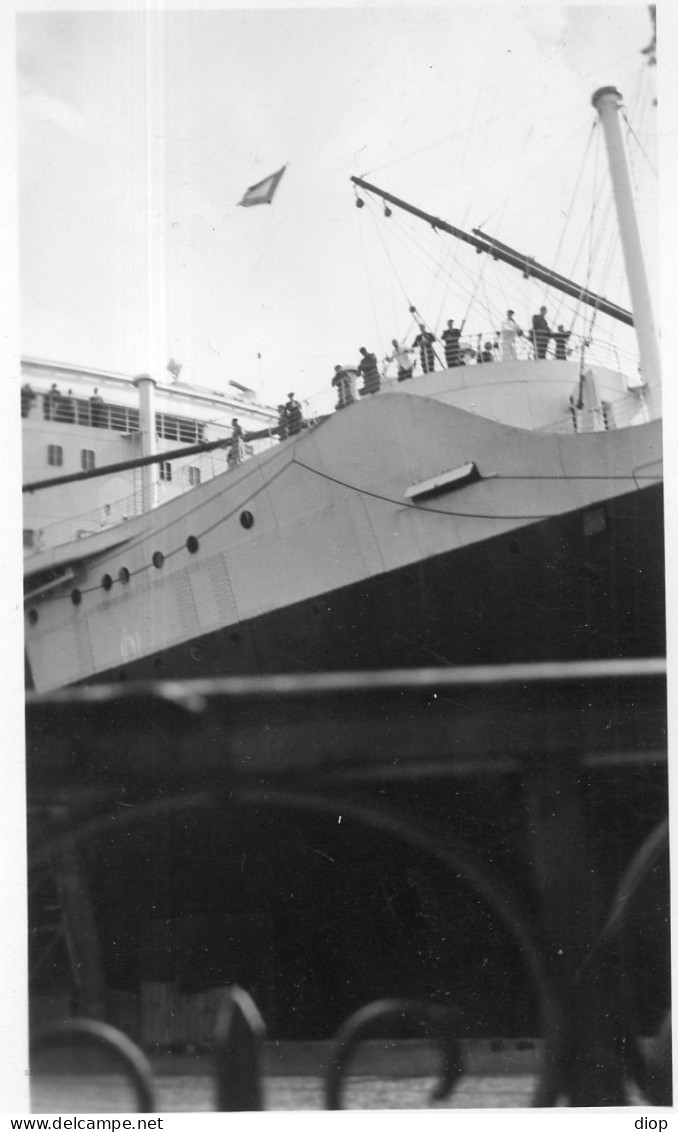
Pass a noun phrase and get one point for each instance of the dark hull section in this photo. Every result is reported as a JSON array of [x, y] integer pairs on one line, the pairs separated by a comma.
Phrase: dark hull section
[[588, 585], [315, 917]]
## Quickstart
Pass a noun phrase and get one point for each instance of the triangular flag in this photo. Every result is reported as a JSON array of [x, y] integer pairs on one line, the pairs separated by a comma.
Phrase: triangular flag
[[264, 191]]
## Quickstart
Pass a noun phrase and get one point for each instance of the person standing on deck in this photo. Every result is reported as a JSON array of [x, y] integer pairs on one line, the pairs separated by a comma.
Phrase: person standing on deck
[[282, 422], [508, 333], [402, 355], [541, 332], [424, 341], [28, 396], [293, 414], [369, 369], [486, 354], [343, 383], [560, 337], [450, 339], [235, 452], [97, 410]]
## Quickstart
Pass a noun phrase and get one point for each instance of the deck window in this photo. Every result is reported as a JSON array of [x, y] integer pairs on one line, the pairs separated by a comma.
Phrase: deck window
[[55, 455], [193, 476], [179, 428], [166, 471], [87, 460]]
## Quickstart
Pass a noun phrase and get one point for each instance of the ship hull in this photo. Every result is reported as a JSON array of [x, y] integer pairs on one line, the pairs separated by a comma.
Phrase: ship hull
[[336, 552], [551, 591]]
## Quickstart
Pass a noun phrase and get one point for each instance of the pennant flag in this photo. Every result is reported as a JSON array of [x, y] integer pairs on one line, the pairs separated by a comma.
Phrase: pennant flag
[[263, 192], [174, 368]]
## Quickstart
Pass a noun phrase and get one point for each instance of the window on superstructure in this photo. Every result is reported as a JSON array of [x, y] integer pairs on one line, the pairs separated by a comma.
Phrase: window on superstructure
[[87, 460], [193, 476], [178, 428], [55, 455], [187, 432], [166, 470], [166, 426], [118, 418]]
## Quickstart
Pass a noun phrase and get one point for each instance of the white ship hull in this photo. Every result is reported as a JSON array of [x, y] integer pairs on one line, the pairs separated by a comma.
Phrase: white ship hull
[[401, 531]]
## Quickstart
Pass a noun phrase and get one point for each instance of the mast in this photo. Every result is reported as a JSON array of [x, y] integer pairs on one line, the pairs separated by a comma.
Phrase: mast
[[497, 250], [607, 100]]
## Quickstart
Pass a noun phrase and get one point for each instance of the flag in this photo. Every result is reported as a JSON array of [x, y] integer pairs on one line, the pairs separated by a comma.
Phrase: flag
[[174, 368], [264, 191]]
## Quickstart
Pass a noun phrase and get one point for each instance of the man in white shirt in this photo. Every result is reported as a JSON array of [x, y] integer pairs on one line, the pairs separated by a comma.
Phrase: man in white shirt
[[403, 357], [508, 333]]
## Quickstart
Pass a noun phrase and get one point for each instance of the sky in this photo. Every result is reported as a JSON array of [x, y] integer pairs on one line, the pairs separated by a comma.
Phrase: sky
[[140, 130]]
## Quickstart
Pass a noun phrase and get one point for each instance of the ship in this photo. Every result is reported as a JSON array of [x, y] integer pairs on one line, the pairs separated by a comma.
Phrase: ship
[[489, 513], [475, 515]]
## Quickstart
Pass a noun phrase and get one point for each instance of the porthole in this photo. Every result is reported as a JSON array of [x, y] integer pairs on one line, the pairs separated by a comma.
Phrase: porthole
[[123, 574], [33, 616], [107, 582], [76, 597], [196, 653], [235, 637], [158, 559], [247, 520], [192, 544]]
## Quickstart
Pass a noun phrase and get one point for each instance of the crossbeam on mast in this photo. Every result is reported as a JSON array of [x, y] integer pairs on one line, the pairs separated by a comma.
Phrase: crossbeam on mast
[[525, 264]]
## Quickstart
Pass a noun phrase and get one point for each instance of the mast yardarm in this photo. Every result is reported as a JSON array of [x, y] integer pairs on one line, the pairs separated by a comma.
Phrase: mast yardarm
[[525, 264]]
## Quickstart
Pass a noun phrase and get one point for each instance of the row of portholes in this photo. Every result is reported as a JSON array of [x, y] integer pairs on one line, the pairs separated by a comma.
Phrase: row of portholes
[[158, 560], [192, 545]]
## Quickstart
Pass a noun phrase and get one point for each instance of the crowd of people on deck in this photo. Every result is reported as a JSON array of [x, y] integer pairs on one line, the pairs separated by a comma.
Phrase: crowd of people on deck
[[457, 353], [60, 406], [422, 351]]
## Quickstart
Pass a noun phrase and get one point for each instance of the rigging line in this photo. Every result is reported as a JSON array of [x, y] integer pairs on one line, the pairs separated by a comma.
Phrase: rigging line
[[638, 143], [421, 253], [508, 112], [570, 207], [369, 284], [534, 171], [404, 506], [399, 228], [377, 228], [594, 197], [409, 242]]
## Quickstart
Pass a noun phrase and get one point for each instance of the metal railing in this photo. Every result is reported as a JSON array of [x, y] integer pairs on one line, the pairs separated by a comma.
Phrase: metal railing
[[542, 788]]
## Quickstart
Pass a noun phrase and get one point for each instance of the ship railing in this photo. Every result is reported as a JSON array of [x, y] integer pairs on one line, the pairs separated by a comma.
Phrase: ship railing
[[595, 350], [524, 804], [68, 409], [88, 523]]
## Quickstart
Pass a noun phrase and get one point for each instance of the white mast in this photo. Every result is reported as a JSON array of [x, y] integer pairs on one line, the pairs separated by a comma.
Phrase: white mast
[[607, 101]]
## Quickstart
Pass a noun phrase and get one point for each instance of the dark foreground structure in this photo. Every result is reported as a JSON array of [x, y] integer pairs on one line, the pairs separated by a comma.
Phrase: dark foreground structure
[[472, 853]]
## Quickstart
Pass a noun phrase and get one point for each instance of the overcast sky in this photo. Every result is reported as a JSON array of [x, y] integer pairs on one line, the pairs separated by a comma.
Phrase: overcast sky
[[139, 133]]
